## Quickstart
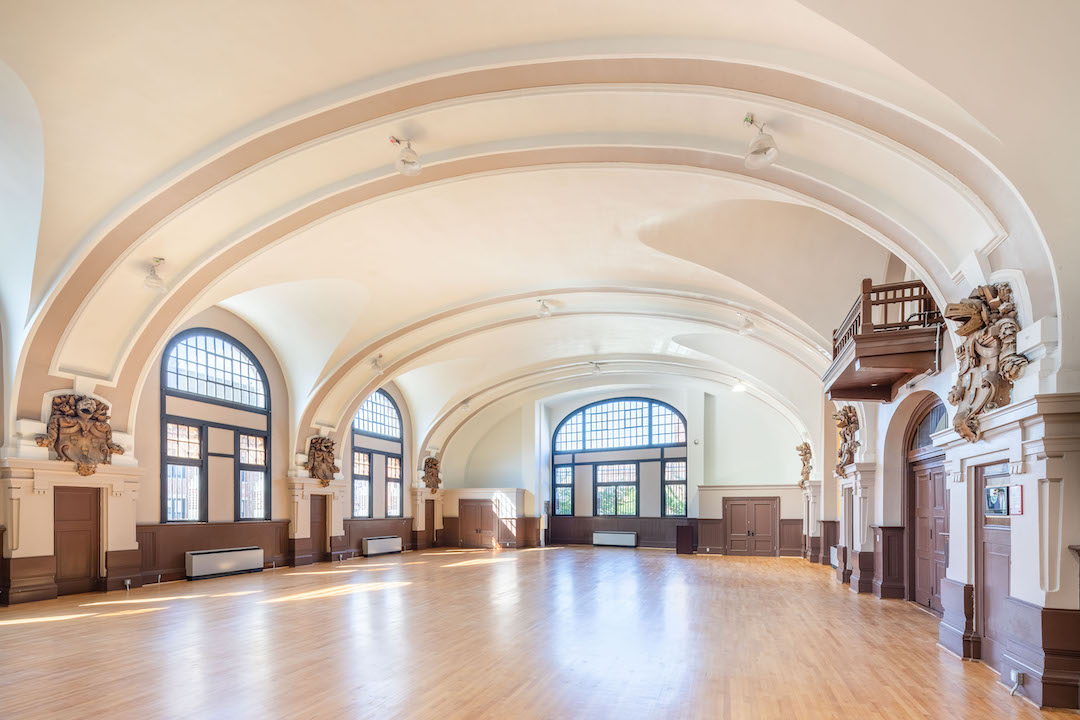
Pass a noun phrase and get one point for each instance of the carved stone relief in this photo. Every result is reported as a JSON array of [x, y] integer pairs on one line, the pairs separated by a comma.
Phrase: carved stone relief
[[79, 432], [431, 474], [320, 463], [805, 456], [987, 363], [847, 422]]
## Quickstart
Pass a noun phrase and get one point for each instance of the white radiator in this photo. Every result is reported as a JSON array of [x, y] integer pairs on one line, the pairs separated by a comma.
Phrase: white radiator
[[833, 559], [613, 537], [227, 561], [380, 545]]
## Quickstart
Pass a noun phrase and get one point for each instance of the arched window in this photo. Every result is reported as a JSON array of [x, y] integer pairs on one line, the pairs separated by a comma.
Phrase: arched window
[[211, 369], [378, 416], [214, 366], [932, 422], [612, 425], [620, 424]]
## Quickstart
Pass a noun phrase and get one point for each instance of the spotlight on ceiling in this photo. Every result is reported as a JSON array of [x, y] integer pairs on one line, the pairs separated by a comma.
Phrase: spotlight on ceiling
[[762, 151], [152, 280], [408, 162], [738, 386], [596, 368], [543, 309], [747, 327], [376, 364], [466, 404]]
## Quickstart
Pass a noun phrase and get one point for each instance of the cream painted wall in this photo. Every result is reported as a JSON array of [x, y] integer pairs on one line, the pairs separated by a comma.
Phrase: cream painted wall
[[496, 461], [748, 443], [147, 431]]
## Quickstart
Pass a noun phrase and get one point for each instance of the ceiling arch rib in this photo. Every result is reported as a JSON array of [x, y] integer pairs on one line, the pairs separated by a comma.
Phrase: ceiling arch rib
[[907, 130]]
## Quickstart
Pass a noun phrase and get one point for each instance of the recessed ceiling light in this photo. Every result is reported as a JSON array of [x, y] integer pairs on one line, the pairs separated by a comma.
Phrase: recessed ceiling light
[[408, 162]]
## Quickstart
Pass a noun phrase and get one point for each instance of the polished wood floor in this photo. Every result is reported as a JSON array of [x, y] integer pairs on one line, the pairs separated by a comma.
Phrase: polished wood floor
[[545, 633]]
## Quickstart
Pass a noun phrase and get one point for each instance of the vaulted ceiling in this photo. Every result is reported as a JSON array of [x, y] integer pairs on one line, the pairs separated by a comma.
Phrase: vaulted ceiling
[[589, 154]]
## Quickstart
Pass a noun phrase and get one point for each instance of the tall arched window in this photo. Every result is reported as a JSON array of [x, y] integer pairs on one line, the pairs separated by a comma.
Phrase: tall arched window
[[201, 370], [613, 425], [377, 458]]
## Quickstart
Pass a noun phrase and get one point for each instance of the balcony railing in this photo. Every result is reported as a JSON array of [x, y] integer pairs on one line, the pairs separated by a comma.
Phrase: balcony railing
[[887, 308]]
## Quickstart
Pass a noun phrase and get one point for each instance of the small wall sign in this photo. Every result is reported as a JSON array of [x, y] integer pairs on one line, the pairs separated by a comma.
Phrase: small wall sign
[[1016, 499], [997, 500]]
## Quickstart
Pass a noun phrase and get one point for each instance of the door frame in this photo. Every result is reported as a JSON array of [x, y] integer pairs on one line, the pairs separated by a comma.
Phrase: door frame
[[978, 619], [776, 521], [100, 576], [907, 489]]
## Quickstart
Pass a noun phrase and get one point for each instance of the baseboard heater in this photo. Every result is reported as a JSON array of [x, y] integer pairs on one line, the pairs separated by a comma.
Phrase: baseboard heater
[[833, 559], [226, 561], [381, 545], [614, 537]]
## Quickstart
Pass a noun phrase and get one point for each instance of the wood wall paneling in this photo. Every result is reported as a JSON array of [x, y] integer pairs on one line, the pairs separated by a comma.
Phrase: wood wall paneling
[[711, 535], [830, 533], [862, 572], [843, 572], [790, 538], [162, 546], [451, 533], [956, 631], [652, 531], [888, 562], [356, 529], [121, 566], [26, 579]]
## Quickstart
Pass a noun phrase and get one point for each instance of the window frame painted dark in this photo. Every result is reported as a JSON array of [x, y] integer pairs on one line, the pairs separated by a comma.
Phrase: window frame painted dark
[[637, 488], [685, 482], [204, 475], [572, 486], [399, 481], [365, 433], [370, 484], [650, 446]]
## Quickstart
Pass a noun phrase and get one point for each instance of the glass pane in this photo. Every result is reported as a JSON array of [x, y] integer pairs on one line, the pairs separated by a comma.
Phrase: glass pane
[[252, 450], [627, 498], [668, 428], [361, 464], [616, 473], [616, 424], [182, 492], [378, 416], [393, 468], [564, 475], [182, 441], [675, 471], [675, 499], [361, 498], [563, 501], [252, 494], [393, 499], [215, 368], [605, 500], [568, 439]]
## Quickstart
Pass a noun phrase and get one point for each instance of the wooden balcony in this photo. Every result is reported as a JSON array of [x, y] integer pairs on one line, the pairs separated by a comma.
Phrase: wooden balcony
[[892, 333]]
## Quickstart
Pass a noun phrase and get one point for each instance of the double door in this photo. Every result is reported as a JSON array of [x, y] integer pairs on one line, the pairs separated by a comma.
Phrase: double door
[[752, 525], [931, 552], [478, 523]]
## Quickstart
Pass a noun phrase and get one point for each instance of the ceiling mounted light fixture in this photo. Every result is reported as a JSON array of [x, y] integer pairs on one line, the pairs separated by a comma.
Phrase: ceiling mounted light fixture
[[543, 309], [762, 151], [152, 280], [466, 404], [376, 364], [738, 386], [747, 327], [408, 162], [596, 368]]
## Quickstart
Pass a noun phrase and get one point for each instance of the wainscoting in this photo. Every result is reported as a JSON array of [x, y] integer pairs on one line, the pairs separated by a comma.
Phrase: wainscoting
[[830, 532], [862, 572], [791, 538], [652, 532], [26, 579], [358, 529], [162, 546], [711, 536], [888, 562], [522, 532]]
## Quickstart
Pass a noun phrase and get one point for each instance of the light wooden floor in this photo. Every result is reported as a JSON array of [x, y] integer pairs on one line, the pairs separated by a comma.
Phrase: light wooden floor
[[548, 633]]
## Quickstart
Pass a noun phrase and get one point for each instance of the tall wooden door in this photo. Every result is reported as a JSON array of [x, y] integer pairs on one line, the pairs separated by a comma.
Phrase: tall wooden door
[[77, 538], [319, 551], [478, 523], [993, 543], [752, 525], [931, 532]]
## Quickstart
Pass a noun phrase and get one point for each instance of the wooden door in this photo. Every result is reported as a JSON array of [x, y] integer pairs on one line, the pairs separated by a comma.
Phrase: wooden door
[[429, 523], [931, 532], [77, 539], [319, 551], [478, 523], [993, 544], [752, 525]]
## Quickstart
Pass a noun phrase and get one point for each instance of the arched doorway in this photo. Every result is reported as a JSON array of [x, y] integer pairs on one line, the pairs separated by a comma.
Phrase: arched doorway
[[926, 506]]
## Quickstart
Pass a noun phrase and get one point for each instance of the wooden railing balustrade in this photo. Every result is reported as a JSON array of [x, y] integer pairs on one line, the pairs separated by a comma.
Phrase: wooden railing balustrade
[[887, 308]]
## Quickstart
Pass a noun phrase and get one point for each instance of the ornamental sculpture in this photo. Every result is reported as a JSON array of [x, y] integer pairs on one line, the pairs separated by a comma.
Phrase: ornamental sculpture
[[79, 432], [987, 363], [804, 455], [847, 422], [431, 474], [320, 460]]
